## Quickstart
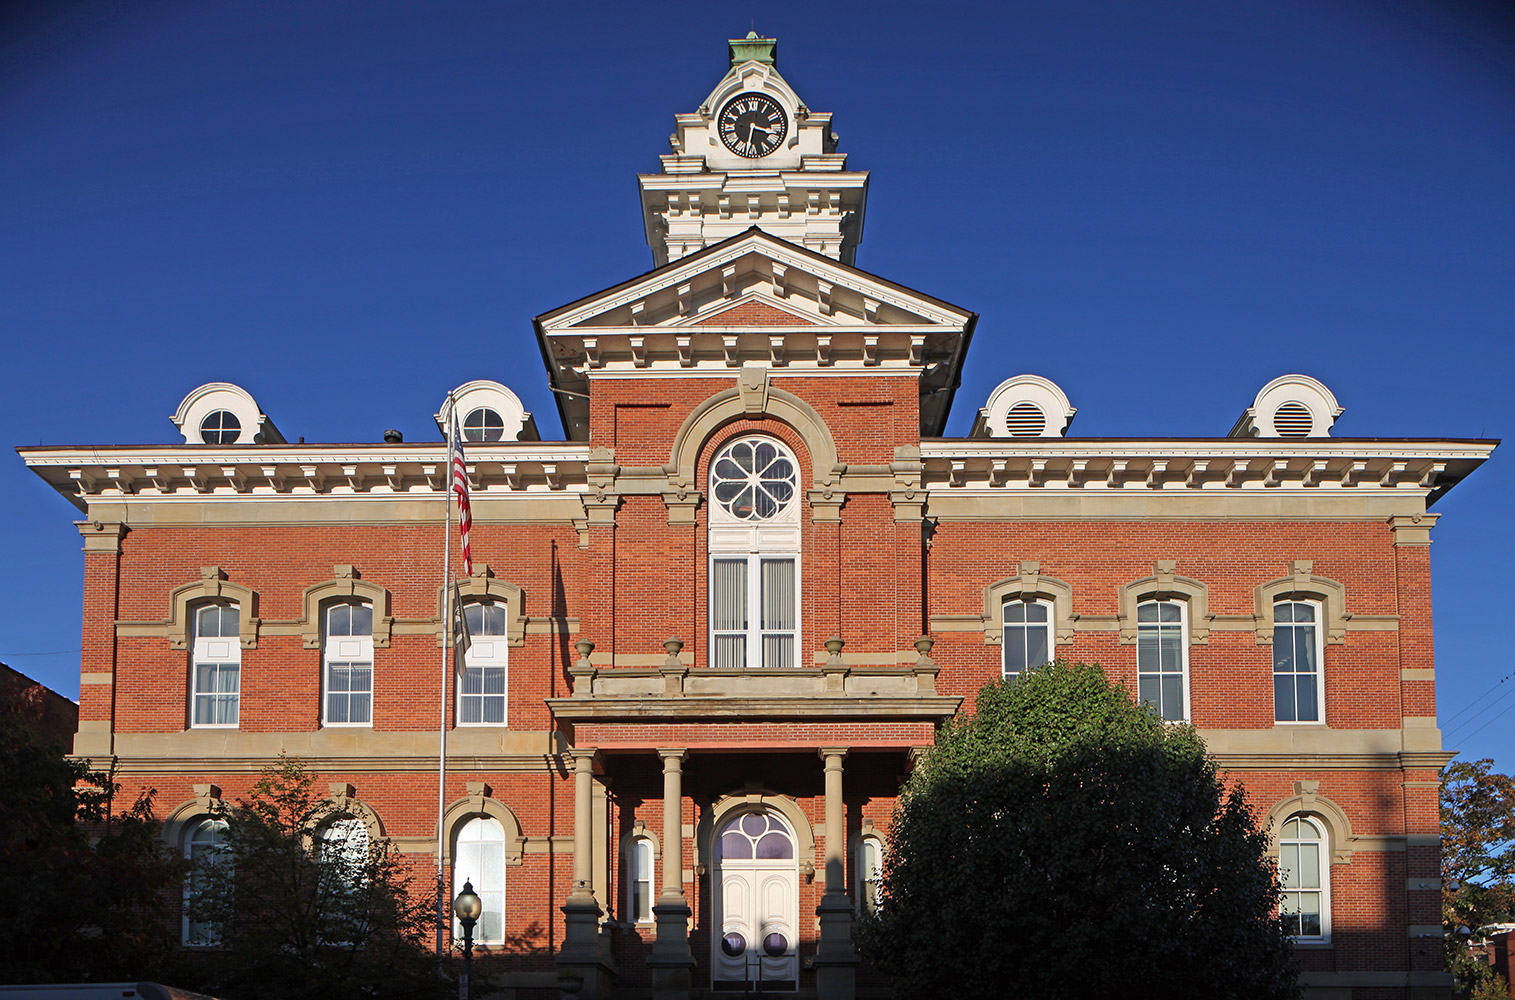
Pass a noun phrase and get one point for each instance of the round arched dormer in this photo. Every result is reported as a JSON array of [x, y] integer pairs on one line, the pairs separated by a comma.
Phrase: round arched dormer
[[1026, 406], [487, 413], [1290, 406], [220, 413]]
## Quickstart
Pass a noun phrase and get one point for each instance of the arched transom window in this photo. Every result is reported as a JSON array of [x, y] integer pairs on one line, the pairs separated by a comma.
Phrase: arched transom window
[[754, 555]]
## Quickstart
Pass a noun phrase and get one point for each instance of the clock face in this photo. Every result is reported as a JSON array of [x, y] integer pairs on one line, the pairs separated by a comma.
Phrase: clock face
[[752, 125]]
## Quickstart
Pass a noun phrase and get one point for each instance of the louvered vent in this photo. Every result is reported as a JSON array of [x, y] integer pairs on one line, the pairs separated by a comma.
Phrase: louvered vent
[[1025, 420], [1293, 420]]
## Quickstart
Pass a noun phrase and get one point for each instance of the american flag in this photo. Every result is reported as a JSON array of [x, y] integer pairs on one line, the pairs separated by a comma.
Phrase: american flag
[[460, 487]]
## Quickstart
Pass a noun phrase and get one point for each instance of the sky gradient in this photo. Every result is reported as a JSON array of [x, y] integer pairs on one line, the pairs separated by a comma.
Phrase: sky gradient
[[351, 208]]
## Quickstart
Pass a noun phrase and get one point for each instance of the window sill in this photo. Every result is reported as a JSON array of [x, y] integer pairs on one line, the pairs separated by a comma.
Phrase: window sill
[[1313, 945], [215, 725], [1318, 722]]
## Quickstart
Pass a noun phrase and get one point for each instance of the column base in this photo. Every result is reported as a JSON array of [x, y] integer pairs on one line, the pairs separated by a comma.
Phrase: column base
[[836, 959], [671, 961], [585, 968]]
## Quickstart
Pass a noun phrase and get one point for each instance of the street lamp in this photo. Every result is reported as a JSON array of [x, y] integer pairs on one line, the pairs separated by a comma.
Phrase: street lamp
[[468, 906]]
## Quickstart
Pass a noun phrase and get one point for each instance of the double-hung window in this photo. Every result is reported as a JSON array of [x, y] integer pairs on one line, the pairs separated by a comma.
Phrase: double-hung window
[[639, 880], [1305, 874], [482, 693], [1162, 658], [348, 657], [205, 846], [1027, 639], [1297, 682], [216, 667], [754, 555]]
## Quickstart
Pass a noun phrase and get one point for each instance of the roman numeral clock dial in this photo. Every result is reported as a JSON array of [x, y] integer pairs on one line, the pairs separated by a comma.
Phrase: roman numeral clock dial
[[752, 125]]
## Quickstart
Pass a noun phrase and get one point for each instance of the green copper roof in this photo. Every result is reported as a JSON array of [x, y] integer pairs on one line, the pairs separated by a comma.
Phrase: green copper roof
[[764, 50]]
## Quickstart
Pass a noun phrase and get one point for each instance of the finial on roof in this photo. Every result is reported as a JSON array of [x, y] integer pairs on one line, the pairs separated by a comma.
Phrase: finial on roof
[[754, 48]]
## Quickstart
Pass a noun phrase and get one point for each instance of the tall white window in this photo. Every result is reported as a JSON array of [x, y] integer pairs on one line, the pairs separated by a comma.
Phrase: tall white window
[[639, 880], [1305, 873], [1162, 658], [1297, 682], [754, 555], [216, 667], [1027, 640], [479, 857], [344, 843], [482, 692], [206, 844], [349, 665], [870, 873]]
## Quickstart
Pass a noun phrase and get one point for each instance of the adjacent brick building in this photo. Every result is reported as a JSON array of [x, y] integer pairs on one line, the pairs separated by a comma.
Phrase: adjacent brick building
[[711, 627]]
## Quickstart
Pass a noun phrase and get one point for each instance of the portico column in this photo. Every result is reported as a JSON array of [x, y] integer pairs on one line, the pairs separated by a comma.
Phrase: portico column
[[583, 788], [582, 958], [835, 958], [671, 960]]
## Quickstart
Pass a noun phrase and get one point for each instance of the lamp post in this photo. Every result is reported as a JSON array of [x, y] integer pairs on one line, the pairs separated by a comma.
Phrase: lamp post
[[468, 906]]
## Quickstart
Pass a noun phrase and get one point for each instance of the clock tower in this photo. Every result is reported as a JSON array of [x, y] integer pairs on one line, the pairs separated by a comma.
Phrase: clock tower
[[752, 155]]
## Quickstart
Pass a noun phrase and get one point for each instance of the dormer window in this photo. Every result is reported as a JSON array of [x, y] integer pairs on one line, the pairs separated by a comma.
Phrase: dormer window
[[486, 411], [221, 427], [483, 424], [1026, 406], [219, 413]]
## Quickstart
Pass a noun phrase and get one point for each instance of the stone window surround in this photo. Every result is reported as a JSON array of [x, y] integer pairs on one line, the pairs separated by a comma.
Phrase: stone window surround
[[479, 801], [1030, 585], [211, 588], [207, 803], [1303, 585], [483, 586], [346, 585], [1308, 801], [1166, 585]]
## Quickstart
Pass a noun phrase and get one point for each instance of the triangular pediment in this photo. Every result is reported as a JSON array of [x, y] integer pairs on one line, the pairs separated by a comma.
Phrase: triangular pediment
[[754, 299], [767, 280]]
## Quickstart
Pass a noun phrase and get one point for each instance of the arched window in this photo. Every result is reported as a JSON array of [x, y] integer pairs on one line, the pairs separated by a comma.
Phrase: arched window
[[870, 873], [1305, 873], [1162, 658], [1028, 634], [1298, 685], [754, 555], [348, 656], [483, 688], [345, 847], [206, 844], [479, 857], [216, 667], [639, 880]]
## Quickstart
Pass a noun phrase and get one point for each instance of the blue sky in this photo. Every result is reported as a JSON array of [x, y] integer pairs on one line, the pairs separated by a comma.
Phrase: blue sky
[[349, 208]]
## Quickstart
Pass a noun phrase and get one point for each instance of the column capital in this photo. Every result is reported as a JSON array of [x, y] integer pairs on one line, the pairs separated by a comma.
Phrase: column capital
[[582, 754], [677, 756], [832, 754]]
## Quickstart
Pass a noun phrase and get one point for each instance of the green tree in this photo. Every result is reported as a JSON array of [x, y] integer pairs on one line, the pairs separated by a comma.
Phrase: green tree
[[1477, 860], [302, 904], [1062, 841], [86, 890]]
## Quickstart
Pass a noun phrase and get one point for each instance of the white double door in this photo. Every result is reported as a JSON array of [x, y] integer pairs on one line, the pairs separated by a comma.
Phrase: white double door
[[758, 940]]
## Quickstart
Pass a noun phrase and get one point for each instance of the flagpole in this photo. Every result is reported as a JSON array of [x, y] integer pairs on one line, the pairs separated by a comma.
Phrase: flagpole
[[446, 665]]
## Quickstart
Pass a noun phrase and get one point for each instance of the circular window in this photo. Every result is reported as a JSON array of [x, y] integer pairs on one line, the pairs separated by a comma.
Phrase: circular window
[[775, 944], [733, 943], [754, 479], [483, 424], [220, 427]]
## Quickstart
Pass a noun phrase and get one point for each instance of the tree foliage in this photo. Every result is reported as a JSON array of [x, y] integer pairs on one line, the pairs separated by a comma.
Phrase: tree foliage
[[1065, 840], [1477, 859], [297, 913], [86, 890]]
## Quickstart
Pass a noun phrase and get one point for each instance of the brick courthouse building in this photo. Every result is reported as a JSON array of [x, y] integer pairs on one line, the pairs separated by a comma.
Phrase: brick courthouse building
[[712, 626]]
